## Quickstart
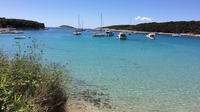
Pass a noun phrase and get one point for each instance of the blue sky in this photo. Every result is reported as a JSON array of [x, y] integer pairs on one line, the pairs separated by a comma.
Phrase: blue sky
[[58, 12]]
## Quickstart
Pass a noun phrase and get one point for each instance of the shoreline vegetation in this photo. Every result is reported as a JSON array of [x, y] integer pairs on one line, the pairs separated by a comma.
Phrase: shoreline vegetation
[[26, 84], [21, 24], [65, 26], [185, 28], [29, 84]]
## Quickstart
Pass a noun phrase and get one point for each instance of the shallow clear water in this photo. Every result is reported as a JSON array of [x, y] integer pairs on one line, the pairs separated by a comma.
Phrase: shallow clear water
[[139, 74]]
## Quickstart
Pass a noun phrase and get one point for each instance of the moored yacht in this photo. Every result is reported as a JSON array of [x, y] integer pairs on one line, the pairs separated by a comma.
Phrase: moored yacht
[[20, 37], [129, 33], [99, 34], [176, 35], [122, 36], [151, 36], [76, 32], [109, 33]]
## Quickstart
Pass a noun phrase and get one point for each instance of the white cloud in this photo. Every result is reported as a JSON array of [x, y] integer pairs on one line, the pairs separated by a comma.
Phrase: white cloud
[[143, 18]]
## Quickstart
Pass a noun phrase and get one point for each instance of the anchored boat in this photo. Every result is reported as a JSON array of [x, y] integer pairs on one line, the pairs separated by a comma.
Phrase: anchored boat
[[109, 33], [100, 34], [20, 37], [151, 36], [176, 35], [122, 36], [78, 30]]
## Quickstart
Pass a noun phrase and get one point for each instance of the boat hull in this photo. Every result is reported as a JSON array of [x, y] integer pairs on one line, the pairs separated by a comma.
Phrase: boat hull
[[76, 33]]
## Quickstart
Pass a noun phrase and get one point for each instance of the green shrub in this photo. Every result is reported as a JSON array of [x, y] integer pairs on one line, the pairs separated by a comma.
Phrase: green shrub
[[27, 84]]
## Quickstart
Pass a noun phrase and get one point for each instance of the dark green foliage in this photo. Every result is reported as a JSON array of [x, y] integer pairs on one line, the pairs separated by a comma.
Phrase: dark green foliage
[[20, 24], [65, 26], [26, 84], [166, 27]]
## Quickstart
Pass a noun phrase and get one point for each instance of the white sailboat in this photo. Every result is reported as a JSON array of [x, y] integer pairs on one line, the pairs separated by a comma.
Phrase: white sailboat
[[100, 34], [129, 33], [176, 34], [82, 26], [77, 30]]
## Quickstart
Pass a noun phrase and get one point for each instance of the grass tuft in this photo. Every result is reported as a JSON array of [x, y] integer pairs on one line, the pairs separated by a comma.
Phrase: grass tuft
[[26, 84]]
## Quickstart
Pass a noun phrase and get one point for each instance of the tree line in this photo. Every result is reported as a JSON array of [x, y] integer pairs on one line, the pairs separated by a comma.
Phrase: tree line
[[20, 24], [166, 27]]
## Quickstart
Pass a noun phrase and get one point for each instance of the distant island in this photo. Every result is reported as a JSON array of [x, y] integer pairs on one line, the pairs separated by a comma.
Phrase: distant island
[[192, 27], [20, 24], [65, 26]]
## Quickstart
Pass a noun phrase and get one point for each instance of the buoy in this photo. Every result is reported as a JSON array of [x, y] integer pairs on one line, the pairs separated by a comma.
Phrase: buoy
[[43, 44]]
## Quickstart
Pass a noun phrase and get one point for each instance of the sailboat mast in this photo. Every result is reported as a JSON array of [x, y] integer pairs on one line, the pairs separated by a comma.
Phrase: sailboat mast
[[101, 20], [82, 24], [78, 21]]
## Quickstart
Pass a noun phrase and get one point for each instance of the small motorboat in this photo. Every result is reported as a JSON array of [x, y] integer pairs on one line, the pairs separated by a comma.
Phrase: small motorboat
[[176, 35], [109, 33], [20, 37], [151, 36], [16, 32], [99, 34], [122, 36], [77, 32]]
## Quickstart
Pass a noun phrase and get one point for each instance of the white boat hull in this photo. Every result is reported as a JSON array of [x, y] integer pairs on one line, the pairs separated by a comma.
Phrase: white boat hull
[[76, 33], [20, 37], [122, 36], [99, 35], [151, 36], [176, 35]]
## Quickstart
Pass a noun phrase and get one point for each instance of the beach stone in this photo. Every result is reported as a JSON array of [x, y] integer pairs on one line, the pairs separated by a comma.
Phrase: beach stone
[[101, 94], [106, 105], [107, 100], [98, 100], [97, 104], [91, 101]]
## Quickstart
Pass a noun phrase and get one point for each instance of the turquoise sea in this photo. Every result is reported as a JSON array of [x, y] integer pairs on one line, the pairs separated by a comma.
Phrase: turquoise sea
[[138, 74]]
